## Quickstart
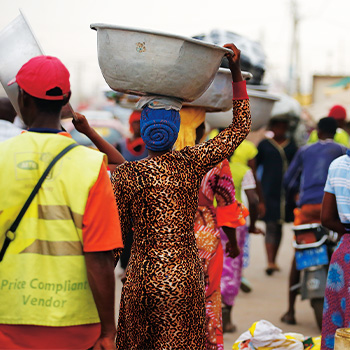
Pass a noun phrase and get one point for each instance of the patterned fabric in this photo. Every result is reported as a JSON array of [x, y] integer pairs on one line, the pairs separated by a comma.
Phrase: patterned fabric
[[217, 184], [246, 249], [163, 299], [232, 269], [336, 313], [338, 184], [336, 309], [248, 182], [244, 180], [241, 177], [159, 128]]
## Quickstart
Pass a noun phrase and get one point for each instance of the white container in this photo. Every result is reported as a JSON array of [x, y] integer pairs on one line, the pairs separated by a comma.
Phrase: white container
[[218, 97], [261, 87], [144, 62], [286, 106], [261, 104], [17, 46]]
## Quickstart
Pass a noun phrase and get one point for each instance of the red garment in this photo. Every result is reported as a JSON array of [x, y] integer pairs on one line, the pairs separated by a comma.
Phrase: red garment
[[100, 233], [307, 214], [217, 185], [135, 116], [138, 144]]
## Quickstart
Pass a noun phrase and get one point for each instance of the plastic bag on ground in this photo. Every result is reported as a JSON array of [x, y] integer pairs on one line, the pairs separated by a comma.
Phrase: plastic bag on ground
[[263, 335]]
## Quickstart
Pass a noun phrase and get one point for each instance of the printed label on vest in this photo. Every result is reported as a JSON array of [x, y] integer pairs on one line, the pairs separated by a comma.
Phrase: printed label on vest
[[25, 161], [28, 165], [29, 289]]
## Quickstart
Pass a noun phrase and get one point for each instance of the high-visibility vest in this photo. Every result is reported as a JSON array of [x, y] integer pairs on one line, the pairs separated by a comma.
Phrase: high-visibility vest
[[43, 277]]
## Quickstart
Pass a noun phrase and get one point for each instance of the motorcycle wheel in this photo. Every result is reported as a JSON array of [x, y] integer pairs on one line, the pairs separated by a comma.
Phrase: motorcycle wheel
[[317, 305]]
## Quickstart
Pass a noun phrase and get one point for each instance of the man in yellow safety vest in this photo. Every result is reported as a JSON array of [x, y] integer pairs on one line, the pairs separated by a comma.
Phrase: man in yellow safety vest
[[57, 274]]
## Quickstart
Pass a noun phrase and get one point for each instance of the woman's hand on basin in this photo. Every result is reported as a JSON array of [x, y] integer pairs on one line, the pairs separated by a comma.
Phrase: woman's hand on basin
[[234, 62]]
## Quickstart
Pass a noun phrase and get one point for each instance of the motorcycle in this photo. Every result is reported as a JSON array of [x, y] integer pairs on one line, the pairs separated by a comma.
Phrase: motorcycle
[[314, 245]]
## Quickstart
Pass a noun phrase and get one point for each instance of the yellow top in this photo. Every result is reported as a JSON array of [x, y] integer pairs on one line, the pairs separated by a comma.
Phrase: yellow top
[[341, 136], [191, 119]]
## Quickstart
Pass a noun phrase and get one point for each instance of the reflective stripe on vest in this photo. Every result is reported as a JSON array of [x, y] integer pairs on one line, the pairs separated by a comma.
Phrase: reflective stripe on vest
[[43, 277], [60, 212], [60, 248]]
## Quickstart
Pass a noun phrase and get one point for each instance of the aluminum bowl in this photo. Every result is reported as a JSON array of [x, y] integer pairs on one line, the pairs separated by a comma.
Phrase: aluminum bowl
[[218, 97], [142, 62], [261, 104], [17, 46]]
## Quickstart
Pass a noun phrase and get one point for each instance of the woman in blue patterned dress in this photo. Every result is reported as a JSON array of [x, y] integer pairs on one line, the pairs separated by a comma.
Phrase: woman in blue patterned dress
[[335, 215]]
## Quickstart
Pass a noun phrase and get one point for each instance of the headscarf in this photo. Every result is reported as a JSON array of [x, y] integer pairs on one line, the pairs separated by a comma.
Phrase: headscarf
[[159, 128], [191, 119], [135, 116]]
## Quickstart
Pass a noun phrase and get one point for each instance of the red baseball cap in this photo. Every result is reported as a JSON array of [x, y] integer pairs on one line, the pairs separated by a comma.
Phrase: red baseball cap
[[40, 75], [337, 112]]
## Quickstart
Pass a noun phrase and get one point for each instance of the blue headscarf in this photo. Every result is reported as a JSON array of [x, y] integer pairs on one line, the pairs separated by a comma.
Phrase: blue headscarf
[[159, 128]]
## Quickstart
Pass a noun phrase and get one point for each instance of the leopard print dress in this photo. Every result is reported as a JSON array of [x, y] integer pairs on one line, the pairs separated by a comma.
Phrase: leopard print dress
[[163, 302]]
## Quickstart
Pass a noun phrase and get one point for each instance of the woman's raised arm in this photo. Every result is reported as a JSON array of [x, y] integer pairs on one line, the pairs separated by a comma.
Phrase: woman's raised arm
[[82, 125], [212, 152]]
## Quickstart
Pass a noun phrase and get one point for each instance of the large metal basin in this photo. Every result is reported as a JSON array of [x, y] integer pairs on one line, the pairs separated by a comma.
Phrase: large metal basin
[[144, 62], [261, 104], [218, 97], [17, 46]]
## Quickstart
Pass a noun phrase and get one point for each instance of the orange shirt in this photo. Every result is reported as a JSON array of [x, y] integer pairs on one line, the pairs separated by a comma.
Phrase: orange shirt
[[101, 232]]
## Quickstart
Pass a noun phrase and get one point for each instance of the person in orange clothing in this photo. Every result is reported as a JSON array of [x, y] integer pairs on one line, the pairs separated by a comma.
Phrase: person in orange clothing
[[57, 274]]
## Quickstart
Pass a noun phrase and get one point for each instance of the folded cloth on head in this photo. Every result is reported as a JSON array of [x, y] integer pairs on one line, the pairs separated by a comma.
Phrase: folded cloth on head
[[159, 102], [159, 128]]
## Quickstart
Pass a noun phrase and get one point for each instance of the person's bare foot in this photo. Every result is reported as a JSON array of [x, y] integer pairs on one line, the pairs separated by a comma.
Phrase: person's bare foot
[[288, 318]]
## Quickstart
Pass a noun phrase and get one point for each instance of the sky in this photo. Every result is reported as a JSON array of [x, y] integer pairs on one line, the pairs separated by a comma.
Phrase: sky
[[63, 30]]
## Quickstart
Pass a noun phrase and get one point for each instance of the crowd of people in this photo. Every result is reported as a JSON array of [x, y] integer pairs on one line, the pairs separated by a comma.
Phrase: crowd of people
[[176, 213]]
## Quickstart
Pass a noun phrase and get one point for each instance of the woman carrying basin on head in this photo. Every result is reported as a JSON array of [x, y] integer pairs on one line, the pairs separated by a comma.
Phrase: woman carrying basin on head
[[163, 299]]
